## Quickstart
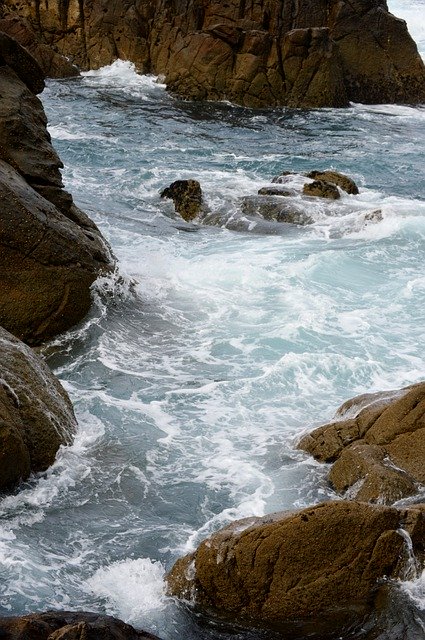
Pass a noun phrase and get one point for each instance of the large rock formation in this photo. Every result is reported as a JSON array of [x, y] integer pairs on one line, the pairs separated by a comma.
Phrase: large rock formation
[[258, 53], [377, 445], [36, 415], [50, 251], [69, 625], [307, 573]]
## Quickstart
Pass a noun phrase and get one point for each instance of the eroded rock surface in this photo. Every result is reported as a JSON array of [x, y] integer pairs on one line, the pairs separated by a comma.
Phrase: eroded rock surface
[[69, 625], [50, 251], [314, 571], [36, 415], [313, 53], [187, 198], [377, 445]]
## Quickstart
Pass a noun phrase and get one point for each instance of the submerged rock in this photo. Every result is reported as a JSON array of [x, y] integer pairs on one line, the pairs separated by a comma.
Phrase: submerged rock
[[36, 415], [377, 445], [313, 53], [187, 198], [69, 625], [274, 207], [307, 573], [50, 251]]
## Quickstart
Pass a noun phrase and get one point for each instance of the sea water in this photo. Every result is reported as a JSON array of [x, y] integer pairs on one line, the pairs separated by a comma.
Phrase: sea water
[[211, 351]]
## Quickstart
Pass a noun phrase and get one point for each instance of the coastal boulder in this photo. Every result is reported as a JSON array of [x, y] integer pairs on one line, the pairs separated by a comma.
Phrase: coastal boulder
[[305, 573], [376, 444], [50, 251], [36, 415], [69, 625], [321, 189], [187, 198]]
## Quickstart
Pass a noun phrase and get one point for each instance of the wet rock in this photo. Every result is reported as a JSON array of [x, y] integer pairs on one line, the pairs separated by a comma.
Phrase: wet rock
[[341, 180], [187, 198], [50, 251], [321, 189], [276, 208], [67, 625], [275, 191], [377, 445], [300, 54], [51, 63], [308, 573], [36, 415]]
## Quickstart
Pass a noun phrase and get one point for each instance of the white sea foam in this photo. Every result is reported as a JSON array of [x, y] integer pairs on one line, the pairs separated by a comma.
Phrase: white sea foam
[[131, 588], [122, 75]]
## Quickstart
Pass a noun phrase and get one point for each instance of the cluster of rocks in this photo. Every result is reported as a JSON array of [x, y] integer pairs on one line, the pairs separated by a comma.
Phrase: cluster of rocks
[[331, 568], [313, 53], [281, 202]]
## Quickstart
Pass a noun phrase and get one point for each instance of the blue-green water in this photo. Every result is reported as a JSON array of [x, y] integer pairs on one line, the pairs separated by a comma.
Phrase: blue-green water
[[202, 365]]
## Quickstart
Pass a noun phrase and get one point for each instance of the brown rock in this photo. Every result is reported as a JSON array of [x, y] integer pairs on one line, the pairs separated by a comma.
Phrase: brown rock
[[312, 53], [321, 189], [377, 440], [50, 251], [36, 415], [187, 198], [311, 572], [346, 183], [51, 63], [67, 625]]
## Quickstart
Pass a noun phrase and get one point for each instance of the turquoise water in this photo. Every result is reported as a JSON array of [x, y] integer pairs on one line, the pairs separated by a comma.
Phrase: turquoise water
[[203, 363]]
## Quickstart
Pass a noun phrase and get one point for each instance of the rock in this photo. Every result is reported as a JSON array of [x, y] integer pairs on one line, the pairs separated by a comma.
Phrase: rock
[[276, 208], [346, 183], [313, 53], [187, 198], [275, 191], [51, 63], [50, 251], [308, 573], [377, 445], [321, 189], [36, 415], [69, 625]]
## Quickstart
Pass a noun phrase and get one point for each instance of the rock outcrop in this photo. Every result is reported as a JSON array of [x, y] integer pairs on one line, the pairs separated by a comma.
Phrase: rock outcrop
[[69, 625], [376, 444], [313, 53], [36, 415], [313, 572], [50, 251], [187, 198]]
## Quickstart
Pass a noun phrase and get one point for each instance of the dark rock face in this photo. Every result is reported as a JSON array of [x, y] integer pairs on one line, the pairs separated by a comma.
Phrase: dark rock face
[[313, 53], [36, 415], [310, 572], [50, 251], [67, 625], [377, 445], [187, 198]]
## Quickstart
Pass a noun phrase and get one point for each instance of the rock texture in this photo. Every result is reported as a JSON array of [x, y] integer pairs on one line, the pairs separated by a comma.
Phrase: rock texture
[[187, 198], [67, 625], [258, 53], [50, 251], [36, 415], [310, 572], [377, 445]]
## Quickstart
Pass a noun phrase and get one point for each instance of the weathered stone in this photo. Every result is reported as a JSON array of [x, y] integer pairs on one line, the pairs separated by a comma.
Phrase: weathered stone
[[320, 569], [36, 415], [275, 191], [69, 625], [187, 198], [321, 189], [50, 251], [346, 183], [312, 53], [275, 208], [378, 441]]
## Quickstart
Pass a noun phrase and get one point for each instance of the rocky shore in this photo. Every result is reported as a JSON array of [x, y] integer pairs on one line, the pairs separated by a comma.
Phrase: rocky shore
[[258, 54]]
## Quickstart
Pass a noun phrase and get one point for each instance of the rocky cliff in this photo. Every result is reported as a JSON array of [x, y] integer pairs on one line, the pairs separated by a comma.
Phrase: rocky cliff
[[50, 251], [308, 53]]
